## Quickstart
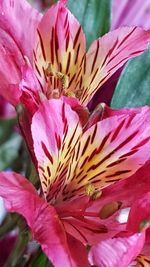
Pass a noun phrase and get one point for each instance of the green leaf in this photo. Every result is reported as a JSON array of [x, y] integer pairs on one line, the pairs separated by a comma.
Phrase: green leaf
[[6, 129], [93, 15], [133, 88], [9, 151], [40, 260]]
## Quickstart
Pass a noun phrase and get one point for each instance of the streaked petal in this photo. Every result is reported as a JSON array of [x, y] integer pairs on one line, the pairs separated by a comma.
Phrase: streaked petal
[[85, 219], [143, 261], [102, 111], [20, 196], [116, 251], [111, 150], [82, 111], [107, 54], [61, 45], [58, 131], [105, 92]]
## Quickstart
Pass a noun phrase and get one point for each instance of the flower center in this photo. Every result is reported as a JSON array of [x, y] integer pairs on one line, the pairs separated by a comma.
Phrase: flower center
[[62, 82]]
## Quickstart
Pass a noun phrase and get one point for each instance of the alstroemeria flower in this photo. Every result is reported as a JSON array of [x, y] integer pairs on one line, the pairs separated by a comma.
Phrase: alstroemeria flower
[[130, 247], [58, 59], [77, 169]]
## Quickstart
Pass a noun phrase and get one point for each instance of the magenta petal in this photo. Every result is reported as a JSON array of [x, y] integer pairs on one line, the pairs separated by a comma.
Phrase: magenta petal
[[123, 192], [140, 213], [117, 251], [11, 61], [20, 196], [18, 22], [78, 252], [7, 111]]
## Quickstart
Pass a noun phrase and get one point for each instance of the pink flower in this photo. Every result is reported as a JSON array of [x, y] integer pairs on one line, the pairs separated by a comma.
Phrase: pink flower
[[55, 50], [77, 169]]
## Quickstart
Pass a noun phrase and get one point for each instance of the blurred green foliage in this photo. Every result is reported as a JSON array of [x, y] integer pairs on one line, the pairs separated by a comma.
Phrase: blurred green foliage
[[40, 260], [93, 15], [133, 87], [10, 143]]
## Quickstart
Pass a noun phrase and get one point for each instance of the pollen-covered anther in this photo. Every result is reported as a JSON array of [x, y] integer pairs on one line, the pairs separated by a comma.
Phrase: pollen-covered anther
[[89, 190], [109, 209], [92, 192], [69, 93], [64, 79]]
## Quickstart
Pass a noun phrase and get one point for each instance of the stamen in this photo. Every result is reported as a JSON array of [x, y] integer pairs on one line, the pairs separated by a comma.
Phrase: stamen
[[89, 190], [92, 192], [63, 78]]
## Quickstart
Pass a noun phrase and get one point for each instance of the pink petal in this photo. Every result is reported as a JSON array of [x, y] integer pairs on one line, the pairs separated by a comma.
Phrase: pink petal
[[139, 213], [111, 150], [31, 93], [20, 196], [78, 252], [61, 44], [58, 131], [130, 13], [11, 59], [7, 111], [95, 228], [143, 260], [117, 251], [19, 20], [107, 54], [102, 111], [16, 19], [82, 111]]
